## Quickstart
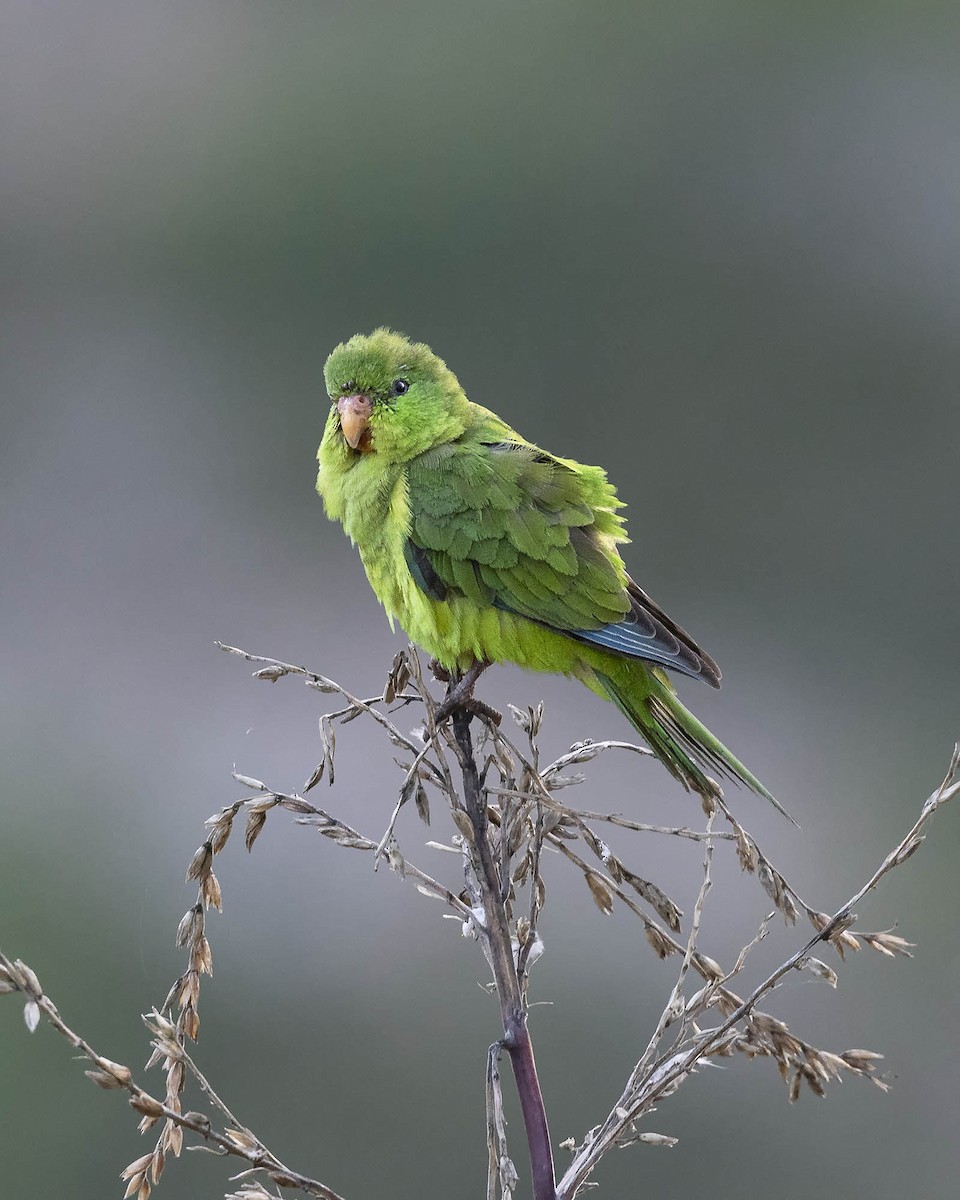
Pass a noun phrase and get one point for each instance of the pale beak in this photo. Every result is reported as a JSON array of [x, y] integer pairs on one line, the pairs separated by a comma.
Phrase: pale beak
[[355, 419]]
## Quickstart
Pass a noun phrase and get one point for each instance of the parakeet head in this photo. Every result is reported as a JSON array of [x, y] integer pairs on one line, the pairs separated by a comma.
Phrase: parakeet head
[[391, 397]]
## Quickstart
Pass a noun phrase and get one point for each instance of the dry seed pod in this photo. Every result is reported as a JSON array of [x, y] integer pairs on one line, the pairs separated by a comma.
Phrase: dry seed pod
[[602, 896], [201, 862]]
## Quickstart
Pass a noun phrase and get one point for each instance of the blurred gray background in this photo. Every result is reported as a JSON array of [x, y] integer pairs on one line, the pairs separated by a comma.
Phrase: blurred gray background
[[713, 247]]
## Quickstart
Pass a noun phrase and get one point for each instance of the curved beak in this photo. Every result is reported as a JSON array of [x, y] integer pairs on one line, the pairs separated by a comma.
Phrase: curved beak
[[355, 419]]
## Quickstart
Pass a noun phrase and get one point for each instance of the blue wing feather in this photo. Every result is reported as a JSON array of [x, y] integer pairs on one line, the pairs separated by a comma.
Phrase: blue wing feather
[[625, 638]]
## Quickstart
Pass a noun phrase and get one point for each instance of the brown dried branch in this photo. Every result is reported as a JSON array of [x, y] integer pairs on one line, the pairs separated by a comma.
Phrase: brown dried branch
[[497, 940], [505, 810], [798, 1060], [142, 1174]]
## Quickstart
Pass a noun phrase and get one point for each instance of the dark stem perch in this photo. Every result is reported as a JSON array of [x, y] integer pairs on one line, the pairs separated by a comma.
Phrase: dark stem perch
[[516, 1035], [460, 696]]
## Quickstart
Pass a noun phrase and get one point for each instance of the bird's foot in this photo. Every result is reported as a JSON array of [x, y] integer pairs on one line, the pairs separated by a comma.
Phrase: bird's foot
[[439, 671], [460, 696]]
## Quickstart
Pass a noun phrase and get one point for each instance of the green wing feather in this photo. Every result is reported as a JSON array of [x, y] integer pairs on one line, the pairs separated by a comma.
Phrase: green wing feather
[[500, 522]]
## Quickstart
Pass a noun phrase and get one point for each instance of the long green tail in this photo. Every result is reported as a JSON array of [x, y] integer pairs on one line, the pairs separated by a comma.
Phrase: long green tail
[[682, 743]]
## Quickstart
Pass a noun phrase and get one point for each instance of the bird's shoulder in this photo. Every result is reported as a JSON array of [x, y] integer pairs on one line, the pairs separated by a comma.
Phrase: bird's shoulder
[[491, 464]]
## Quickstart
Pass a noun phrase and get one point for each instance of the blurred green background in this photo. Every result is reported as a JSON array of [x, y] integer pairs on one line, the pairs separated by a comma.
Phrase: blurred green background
[[712, 246]]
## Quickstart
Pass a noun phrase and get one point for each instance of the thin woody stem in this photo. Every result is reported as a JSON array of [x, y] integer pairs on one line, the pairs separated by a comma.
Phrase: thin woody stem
[[516, 1035]]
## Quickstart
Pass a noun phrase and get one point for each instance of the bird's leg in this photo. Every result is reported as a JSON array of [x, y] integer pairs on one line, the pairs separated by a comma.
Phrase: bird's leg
[[460, 695]]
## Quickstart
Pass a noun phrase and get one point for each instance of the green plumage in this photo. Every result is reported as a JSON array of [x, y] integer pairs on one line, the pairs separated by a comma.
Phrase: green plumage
[[487, 549]]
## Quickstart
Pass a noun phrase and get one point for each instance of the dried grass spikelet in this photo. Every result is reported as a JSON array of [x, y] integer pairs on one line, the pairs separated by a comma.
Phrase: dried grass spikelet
[[243, 1138], [221, 826], [147, 1123], [191, 926], [909, 849], [188, 1022], [601, 893], [862, 1061], [25, 979], [464, 824], [662, 946], [889, 944], [137, 1175], [256, 818], [529, 721], [800, 1063], [210, 890], [189, 988], [110, 1075], [840, 938], [658, 900], [710, 796], [159, 1162], [708, 967], [395, 859], [422, 802], [147, 1105], [777, 888], [166, 1047], [172, 1137], [272, 673], [31, 1015], [315, 776], [657, 1139], [201, 863], [819, 968], [176, 1075], [398, 677], [747, 851]]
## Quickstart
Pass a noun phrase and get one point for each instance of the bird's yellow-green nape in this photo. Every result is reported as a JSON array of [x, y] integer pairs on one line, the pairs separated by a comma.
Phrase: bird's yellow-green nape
[[486, 548]]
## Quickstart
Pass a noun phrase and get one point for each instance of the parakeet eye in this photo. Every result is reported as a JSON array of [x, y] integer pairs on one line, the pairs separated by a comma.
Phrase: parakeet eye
[[400, 386], [348, 386]]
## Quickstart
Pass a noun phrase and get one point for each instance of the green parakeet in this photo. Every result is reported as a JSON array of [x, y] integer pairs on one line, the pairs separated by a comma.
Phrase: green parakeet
[[488, 549]]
